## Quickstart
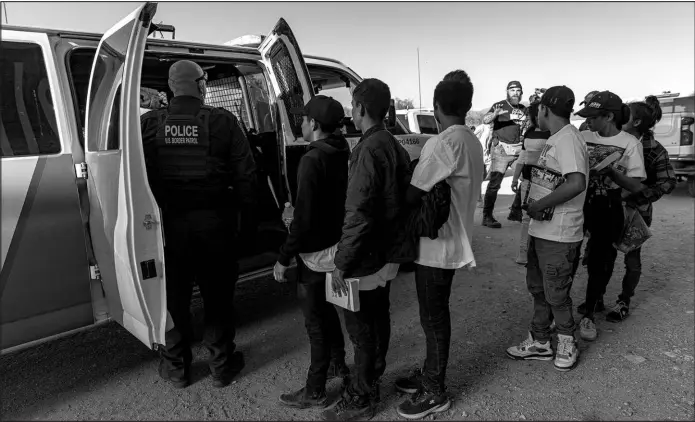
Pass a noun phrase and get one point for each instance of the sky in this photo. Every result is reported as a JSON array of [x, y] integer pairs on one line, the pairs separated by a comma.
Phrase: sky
[[630, 48]]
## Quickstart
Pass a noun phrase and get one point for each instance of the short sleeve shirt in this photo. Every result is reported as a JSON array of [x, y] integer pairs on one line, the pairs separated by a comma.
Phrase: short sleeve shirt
[[455, 155], [630, 164], [564, 152]]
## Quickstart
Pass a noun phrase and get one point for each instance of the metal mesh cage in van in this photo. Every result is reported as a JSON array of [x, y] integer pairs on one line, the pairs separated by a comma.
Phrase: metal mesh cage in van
[[227, 94], [291, 89]]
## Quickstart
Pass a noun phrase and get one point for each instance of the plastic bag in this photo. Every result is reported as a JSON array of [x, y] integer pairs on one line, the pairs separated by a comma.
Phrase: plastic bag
[[635, 231]]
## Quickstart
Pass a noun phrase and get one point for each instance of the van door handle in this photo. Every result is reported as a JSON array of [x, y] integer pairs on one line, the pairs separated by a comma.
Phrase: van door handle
[[149, 222]]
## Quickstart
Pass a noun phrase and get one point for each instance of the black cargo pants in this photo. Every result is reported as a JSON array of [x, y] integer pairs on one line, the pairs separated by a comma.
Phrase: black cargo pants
[[200, 246]]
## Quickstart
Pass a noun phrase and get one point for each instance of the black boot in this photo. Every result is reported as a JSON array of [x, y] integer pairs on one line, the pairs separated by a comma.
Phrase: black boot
[[489, 221]]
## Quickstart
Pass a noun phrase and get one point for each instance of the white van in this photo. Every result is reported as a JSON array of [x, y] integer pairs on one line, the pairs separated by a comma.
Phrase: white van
[[81, 233]]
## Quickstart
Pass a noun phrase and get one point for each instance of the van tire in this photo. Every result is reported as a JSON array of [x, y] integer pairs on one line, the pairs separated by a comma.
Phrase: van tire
[[691, 186]]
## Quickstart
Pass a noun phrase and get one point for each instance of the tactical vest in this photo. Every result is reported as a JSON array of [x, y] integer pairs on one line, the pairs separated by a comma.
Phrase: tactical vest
[[187, 172]]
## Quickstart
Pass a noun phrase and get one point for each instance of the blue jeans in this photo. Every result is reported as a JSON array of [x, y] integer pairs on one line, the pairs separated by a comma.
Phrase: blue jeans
[[549, 274], [433, 291]]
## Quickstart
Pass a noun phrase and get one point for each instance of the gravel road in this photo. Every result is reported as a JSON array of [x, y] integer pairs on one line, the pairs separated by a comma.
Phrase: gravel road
[[641, 369]]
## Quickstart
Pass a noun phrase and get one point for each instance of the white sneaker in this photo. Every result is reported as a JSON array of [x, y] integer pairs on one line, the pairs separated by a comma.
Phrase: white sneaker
[[531, 349], [587, 329], [567, 355]]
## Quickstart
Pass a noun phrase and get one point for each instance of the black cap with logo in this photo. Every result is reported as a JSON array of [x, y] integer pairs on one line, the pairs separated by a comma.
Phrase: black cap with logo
[[588, 97], [514, 84], [601, 102], [559, 99], [323, 109]]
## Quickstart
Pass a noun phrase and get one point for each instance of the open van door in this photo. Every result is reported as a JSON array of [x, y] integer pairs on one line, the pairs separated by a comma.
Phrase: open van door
[[291, 83], [125, 220]]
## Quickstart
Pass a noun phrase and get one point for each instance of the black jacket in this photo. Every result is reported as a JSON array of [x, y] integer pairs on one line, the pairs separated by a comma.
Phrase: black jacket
[[319, 209], [228, 144], [375, 214]]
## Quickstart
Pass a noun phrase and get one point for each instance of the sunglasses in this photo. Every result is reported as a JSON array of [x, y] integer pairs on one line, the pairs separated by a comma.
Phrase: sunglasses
[[203, 78]]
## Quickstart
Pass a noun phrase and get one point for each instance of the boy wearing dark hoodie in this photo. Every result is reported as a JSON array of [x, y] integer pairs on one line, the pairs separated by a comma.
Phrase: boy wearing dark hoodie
[[314, 234]]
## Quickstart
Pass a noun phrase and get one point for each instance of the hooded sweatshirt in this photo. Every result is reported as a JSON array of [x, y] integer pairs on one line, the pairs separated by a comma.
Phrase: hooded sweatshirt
[[320, 205]]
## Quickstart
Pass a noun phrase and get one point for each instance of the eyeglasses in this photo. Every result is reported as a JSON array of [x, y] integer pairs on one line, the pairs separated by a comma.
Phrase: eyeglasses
[[203, 78]]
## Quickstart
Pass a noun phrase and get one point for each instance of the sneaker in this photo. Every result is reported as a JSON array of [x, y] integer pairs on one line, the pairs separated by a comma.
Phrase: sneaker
[[337, 370], [587, 329], [567, 355], [600, 307], [411, 384], [348, 408], [619, 312], [521, 260], [224, 378], [302, 399], [531, 349], [514, 216], [422, 404], [490, 221]]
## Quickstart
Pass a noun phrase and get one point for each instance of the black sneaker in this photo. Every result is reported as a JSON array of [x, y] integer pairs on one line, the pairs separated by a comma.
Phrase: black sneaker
[[490, 221], [514, 216], [619, 312], [600, 307], [349, 408], [224, 378], [302, 399], [411, 384], [422, 404], [336, 370]]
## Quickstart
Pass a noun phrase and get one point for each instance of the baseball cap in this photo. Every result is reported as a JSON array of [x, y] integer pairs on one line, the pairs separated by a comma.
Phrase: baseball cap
[[588, 97], [602, 101], [558, 99], [184, 76], [323, 109], [514, 84]]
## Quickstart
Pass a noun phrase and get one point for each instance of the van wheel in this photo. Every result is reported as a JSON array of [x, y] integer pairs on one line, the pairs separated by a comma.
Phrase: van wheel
[[691, 186]]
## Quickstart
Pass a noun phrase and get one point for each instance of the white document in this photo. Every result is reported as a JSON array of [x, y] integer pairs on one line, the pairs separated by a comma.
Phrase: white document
[[351, 302], [608, 161]]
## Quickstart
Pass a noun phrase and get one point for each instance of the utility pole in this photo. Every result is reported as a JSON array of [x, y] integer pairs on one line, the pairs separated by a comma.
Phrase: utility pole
[[419, 90]]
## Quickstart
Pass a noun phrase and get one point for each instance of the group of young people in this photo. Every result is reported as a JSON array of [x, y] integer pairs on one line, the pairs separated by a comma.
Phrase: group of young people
[[351, 211], [589, 203]]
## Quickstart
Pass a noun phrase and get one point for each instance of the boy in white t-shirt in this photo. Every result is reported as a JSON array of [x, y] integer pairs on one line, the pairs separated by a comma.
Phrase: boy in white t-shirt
[[605, 115], [455, 156], [553, 253]]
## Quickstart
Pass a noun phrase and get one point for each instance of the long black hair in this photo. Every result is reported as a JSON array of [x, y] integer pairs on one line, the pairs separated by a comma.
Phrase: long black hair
[[648, 112]]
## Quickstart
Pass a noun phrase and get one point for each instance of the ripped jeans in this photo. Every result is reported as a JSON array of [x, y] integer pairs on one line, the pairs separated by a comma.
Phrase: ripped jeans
[[549, 275]]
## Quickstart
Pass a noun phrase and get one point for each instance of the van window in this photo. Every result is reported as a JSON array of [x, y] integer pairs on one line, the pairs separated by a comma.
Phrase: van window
[[260, 101], [226, 93], [27, 117], [684, 105], [427, 124]]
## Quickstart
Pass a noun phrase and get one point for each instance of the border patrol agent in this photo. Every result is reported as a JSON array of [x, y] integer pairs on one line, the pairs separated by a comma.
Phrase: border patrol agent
[[201, 172]]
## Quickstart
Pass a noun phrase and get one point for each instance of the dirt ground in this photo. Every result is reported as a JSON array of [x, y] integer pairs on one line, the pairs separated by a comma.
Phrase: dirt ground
[[641, 369]]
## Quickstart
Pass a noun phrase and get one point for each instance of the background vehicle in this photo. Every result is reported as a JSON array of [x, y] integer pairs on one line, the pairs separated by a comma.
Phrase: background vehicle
[[419, 120], [675, 132], [81, 233]]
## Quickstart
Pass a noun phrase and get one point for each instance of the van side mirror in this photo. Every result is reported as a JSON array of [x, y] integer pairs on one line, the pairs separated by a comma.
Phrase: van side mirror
[[391, 116]]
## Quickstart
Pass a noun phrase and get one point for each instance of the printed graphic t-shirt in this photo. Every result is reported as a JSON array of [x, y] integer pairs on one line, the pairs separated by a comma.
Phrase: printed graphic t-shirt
[[630, 164], [455, 155], [507, 127], [564, 152]]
